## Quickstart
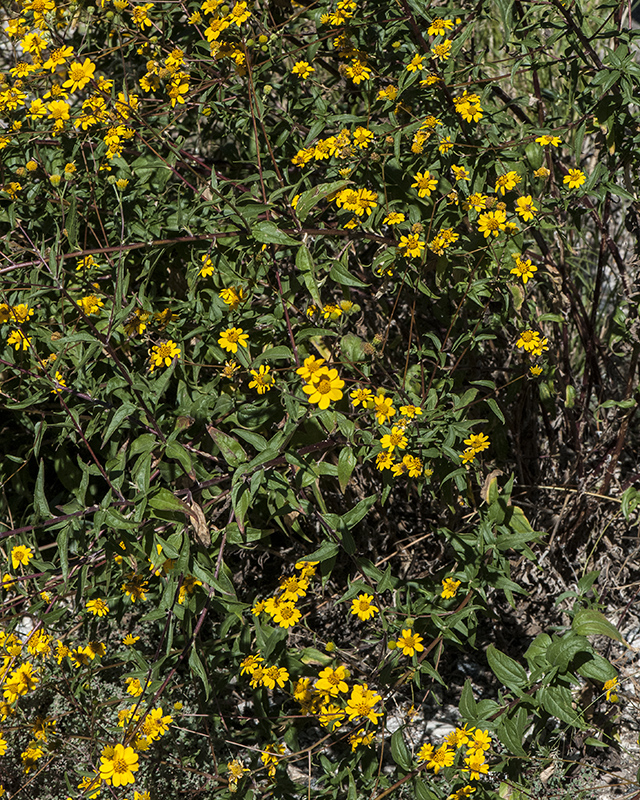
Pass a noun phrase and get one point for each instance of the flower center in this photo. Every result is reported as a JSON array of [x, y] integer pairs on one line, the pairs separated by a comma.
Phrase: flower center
[[324, 386]]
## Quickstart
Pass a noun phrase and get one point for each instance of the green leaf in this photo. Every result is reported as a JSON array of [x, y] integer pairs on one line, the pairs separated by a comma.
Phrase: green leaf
[[340, 274], [164, 500], [506, 669], [346, 464], [359, 511], [467, 702], [117, 418], [325, 552], [269, 233], [510, 731], [312, 197], [597, 669], [198, 668], [558, 702], [399, 750], [231, 450], [39, 498], [588, 622], [63, 550]]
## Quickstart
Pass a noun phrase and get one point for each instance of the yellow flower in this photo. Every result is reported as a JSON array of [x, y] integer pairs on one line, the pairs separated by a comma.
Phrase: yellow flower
[[59, 384], [21, 555], [507, 182], [231, 338], [324, 387], [262, 381], [384, 460], [412, 244], [286, 615], [449, 588], [19, 340], [541, 172], [394, 218], [79, 75], [525, 208], [358, 71], [439, 27], [90, 304], [98, 607], [524, 268], [424, 183], [275, 675], [302, 69], [416, 63], [413, 465], [442, 757], [459, 173], [492, 222], [468, 455], [574, 178], [529, 340], [207, 267], [383, 408], [161, 355], [232, 296], [477, 201], [118, 765], [361, 704], [362, 137], [478, 442], [362, 607], [332, 681], [239, 13], [361, 396], [394, 439], [535, 371], [410, 411], [476, 765], [610, 686], [410, 643], [293, 588], [310, 366], [442, 50], [554, 141]]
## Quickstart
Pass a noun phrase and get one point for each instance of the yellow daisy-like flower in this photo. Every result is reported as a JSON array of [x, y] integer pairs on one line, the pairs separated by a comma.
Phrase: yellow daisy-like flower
[[492, 222], [358, 71], [363, 608], [361, 704], [21, 555], [442, 757], [302, 69], [333, 681], [394, 439], [118, 765], [410, 643], [18, 340], [324, 387], [574, 179], [90, 304], [310, 367], [610, 686], [383, 408], [439, 27], [394, 218], [79, 75], [262, 379], [231, 338], [161, 355], [525, 208], [275, 675], [98, 607], [424, 183], [286, 615], [416, 63], [478, 441], [506, 182], [547, 139], [207, 268], [449, 588], [524, 268], [412, 245], [442, 50]]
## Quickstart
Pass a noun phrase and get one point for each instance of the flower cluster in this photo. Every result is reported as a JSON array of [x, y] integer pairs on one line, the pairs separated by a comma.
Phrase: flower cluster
[[476, 741]]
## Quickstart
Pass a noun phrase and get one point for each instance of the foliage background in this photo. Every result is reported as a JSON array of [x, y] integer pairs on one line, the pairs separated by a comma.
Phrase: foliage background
[[178, 176]]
